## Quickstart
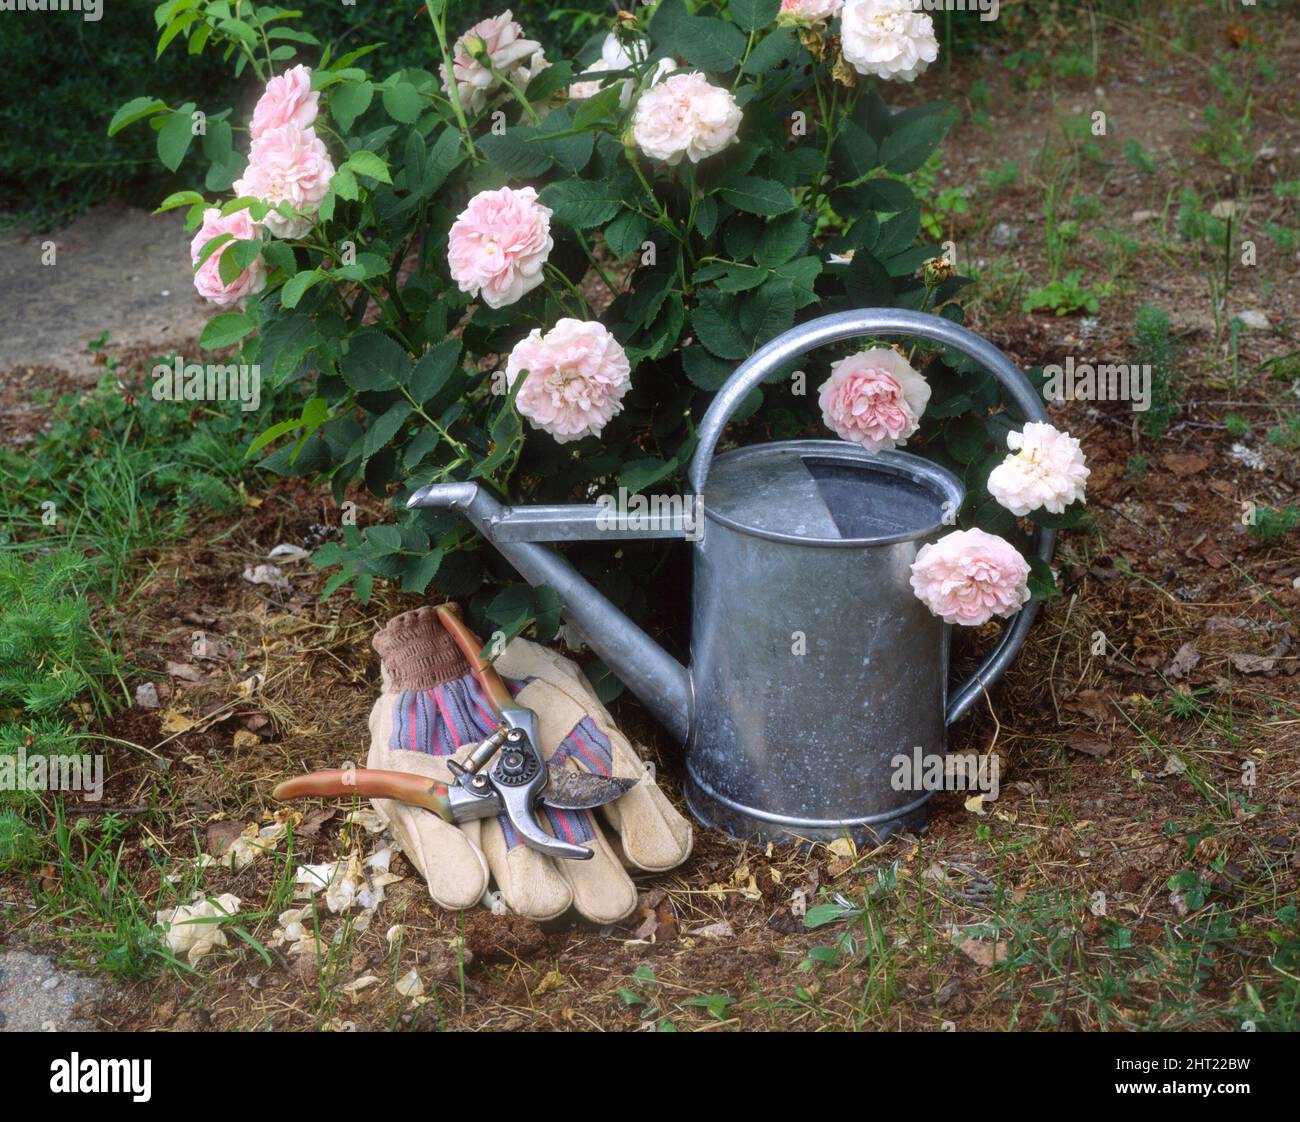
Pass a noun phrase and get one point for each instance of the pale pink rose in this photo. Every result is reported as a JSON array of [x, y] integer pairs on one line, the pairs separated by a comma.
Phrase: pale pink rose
[[874, 398], [499, 244], [290, 165], [207, 279], [685, 116], [807, 13], [518, 59], [288, 100], [968, 577], [887, 38], [577, 376], [1046, 469], [591, 86]]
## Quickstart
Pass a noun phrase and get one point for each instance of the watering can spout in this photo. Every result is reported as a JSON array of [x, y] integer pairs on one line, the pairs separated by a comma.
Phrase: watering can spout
[[657, 678]]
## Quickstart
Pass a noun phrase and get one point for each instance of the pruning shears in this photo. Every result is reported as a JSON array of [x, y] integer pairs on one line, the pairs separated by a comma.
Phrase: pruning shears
[[505, 774]]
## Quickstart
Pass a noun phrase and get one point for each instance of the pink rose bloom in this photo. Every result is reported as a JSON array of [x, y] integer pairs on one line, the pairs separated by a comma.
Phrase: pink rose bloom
[[510, 54], [498, 245], [577, 376], [807, 13], [685, 116], [289, 165], [288, 100], [1046, 469], [874, 398], [968, 577], [207, 279]]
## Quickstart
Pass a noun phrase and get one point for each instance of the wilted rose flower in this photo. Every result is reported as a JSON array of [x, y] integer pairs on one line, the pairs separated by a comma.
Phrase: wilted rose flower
[[288, 100], [577, 376], [874, 398], [510, 54], [499, 244], [290, 165], [1046, 469], [969, 576], [685, 116], [807, 13], [207, 279], [887, 38]]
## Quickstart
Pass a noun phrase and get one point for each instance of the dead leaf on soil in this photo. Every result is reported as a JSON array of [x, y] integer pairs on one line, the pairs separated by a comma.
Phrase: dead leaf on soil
[[1173, 766], [658, 918], [311, 825], [984, 952], [1185, 463], [1089, 744], [185, 671], [172, 722], [720, 930], [1252, 664], [1095, 704], [220, 835], [1209, 552], [1183, 663], [552, 981], [245, 739], [270, 575]]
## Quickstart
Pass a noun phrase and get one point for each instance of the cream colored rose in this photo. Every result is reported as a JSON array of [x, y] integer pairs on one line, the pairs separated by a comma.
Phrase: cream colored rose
[[891, 39], [685, 116]]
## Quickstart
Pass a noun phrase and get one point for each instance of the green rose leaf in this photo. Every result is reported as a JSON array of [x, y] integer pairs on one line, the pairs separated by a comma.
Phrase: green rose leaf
[[1042, 584], [374, 362], [754, 15], [709, 43], [175, 136], [384, 427], [349, 101], [582, 203], [757, 196], [714, 320], [221, 331], [909, 145], [134, 110]]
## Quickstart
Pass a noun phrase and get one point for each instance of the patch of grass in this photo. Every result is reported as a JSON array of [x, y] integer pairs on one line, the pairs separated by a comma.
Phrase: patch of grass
[[1272, 524], [1137, 155], [1285, 435], [114, 474], [1002, 177], [1155, 347], [96, 901]]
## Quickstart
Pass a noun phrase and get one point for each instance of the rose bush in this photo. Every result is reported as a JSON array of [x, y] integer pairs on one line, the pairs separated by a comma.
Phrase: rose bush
[[589, 243]]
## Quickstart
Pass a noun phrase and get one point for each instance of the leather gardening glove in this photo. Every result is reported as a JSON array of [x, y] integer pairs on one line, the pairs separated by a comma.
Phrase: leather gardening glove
[[433, 709]]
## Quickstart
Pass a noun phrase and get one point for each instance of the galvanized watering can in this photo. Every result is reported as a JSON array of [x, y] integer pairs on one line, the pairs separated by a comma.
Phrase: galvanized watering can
[[812, 663]]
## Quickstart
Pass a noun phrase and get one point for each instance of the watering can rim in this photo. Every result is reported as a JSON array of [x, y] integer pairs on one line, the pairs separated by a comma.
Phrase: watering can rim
[[917, 468]]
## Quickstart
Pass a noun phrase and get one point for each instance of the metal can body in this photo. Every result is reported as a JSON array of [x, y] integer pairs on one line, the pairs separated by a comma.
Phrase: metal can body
[[813, 664]]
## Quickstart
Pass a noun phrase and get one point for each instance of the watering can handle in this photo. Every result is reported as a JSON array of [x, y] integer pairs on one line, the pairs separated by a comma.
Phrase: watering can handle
[[888, 321]]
